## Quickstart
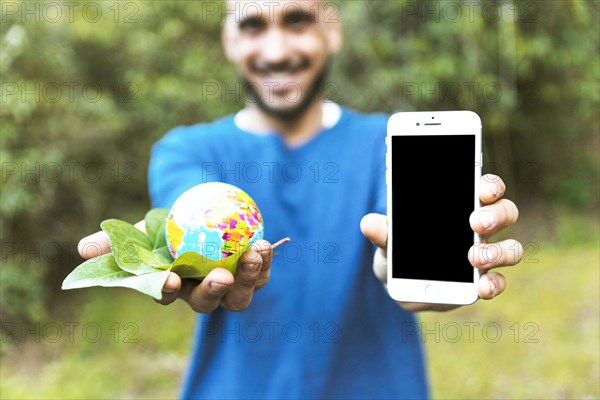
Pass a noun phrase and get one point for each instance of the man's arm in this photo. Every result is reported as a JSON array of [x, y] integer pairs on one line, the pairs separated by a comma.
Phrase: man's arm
[[495, 214]]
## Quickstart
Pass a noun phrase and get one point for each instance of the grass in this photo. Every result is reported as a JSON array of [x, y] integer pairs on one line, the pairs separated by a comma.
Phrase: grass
[[549, 344], [540, 339], [122, 346]]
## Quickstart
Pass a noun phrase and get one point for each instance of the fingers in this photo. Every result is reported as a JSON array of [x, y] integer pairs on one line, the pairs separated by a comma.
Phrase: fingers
[[491, 188], [496, 214], [265, 250], [380, 265], [374, 227], [220, 287], [491, 218], [206, 296], [246, 277], [491, 255], [490, 285], [94, 245], [98, 243], [171, 289]]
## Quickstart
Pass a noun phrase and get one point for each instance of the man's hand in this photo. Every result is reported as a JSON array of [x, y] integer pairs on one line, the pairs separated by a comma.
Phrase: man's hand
[[495, 214], [219, 287]]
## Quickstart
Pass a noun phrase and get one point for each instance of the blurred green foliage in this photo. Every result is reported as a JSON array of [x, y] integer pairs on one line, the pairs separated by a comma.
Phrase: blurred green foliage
[[83, 99]]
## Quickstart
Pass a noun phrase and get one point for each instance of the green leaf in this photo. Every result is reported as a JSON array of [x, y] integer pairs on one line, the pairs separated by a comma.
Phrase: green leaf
[[153, 258], [164, 253], [150, 284], [155, 220], [104, 271], [195, 265], [131, 247], [123, 232]]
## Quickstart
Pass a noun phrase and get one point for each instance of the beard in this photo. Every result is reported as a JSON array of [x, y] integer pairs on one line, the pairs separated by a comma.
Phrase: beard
[[297, 109]]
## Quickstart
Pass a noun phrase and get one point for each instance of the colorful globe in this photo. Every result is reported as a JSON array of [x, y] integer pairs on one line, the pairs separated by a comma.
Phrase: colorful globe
[[211, 225]]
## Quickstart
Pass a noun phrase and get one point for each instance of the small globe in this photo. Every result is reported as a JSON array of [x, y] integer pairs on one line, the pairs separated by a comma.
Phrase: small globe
[[211, 225]]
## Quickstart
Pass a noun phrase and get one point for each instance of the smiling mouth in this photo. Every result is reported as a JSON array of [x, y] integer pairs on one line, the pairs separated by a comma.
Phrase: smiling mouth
[[280, 74], [281, 70]]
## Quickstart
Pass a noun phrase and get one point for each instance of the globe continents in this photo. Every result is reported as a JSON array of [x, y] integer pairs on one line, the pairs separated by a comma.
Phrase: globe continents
[[210, 226]]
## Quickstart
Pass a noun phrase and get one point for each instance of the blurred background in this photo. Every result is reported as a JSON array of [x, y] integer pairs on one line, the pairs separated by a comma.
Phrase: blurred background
[[88, 86]]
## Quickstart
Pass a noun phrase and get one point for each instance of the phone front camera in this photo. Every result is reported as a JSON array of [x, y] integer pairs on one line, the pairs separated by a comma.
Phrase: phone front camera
[[418, 124]]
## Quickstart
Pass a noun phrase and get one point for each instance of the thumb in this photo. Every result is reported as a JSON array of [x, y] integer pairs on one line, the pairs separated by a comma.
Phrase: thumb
[[374, 227]]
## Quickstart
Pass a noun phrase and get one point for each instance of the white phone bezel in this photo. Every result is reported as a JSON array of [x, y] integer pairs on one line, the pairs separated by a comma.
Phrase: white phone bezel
[[432, 123]]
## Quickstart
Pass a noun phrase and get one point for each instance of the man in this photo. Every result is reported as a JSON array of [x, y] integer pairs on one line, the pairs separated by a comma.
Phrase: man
[[323, 326]]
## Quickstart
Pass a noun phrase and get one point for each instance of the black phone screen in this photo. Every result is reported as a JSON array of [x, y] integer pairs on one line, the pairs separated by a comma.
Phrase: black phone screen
[[433, 193]]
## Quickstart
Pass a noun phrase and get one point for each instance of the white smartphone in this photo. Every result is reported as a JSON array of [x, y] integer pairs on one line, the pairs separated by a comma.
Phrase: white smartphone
[[434, 162]]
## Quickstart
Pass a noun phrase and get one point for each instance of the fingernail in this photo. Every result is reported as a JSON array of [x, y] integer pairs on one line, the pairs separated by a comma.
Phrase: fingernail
[[217, 287], [495, 189], [170, 285], [490, 254], [486, 219], [250, 268], [494, 186], [493, 288]]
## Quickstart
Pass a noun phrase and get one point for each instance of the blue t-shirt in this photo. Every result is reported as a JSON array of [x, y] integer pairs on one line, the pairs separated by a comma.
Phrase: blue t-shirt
[[324, 326]]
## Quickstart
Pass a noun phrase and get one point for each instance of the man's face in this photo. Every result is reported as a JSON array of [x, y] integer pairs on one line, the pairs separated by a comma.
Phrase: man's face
[[281, 49]]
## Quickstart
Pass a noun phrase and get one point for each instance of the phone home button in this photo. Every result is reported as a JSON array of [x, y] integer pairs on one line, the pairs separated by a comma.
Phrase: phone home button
[[431, 291]]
